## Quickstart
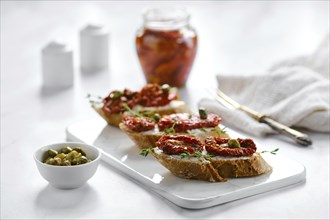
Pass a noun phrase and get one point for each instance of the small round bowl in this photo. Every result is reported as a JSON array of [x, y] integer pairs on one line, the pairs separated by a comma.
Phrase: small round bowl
[[68, 177]]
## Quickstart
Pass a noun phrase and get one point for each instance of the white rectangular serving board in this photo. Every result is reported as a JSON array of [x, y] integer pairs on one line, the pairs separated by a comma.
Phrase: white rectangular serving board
[[120, 152]]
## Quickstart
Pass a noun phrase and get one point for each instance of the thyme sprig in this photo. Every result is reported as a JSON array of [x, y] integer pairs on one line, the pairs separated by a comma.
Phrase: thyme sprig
[[196, 154], [127, 108], [94, 99], [272, 152], [219, 130], [145, 152], [171, 129], [149, 114]]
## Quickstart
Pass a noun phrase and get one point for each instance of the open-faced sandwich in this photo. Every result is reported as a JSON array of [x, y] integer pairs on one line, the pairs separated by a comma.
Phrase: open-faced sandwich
[[145, 131], [213, 160], [152, 97]]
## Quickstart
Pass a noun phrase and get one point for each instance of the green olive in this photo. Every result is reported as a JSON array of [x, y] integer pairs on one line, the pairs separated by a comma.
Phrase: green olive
[[66, 150], [52, 153], [79, 150], [233, 143]]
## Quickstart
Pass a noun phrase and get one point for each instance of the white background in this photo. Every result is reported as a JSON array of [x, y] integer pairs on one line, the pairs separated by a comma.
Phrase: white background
[[234, 37]]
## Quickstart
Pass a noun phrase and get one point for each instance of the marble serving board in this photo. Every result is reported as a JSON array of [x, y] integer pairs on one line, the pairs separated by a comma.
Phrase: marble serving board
[[120, 152]]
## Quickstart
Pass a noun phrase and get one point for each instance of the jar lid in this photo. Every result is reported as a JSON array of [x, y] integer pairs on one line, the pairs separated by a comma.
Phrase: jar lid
[[165, 18]]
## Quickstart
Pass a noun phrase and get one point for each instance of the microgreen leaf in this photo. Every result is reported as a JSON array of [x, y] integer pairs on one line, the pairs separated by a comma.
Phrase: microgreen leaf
[[171, 129], [145, 152], [272, 152]]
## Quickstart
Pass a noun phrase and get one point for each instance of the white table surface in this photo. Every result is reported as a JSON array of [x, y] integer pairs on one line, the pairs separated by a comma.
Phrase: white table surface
[[234, 37]]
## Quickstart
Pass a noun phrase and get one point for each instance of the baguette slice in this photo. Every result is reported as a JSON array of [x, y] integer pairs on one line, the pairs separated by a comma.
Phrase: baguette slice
[[113, 119], [218, 169], [148, 139], [189, 168], [175, 106]]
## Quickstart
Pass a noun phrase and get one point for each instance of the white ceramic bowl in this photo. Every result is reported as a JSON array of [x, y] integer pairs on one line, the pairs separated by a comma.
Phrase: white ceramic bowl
[[68, 177]]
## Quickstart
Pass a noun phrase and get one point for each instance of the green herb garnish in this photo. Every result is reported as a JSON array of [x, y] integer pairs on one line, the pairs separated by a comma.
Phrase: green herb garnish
[[171, 129], [196, 154], [93, 99], [272, 152], [219, 131], [127, 108], [203, 129], [116, 94], [145, 152]]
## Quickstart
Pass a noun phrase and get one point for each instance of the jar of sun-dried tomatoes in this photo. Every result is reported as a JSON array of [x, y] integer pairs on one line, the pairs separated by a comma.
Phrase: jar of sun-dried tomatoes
[[166, 46]]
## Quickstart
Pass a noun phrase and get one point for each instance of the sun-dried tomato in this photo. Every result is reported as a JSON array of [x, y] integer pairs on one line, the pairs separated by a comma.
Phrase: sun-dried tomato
[[213, 147], [138, 124], [182, 122], [174, 145]]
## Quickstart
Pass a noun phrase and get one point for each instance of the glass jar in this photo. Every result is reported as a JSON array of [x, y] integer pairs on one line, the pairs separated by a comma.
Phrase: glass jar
[[166, 46]]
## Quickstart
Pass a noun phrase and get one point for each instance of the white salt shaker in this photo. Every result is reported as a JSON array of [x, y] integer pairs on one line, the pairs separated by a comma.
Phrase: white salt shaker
[[57, 65], [94, 48]]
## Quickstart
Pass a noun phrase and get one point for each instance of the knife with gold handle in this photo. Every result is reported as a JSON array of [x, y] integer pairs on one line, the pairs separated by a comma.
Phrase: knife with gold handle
[[299, 137]]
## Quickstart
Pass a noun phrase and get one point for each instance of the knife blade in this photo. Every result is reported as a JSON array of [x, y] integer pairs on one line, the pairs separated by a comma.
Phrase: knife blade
[[298, 137]]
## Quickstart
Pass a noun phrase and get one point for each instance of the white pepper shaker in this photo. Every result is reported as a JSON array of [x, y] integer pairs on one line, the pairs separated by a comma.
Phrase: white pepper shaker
[[94, 48], [57, 65]]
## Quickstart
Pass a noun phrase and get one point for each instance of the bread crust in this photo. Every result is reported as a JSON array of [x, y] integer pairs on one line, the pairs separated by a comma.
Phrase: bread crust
[[189, 169], [113, 119], [148, 140], [214, 170], [141, 140]]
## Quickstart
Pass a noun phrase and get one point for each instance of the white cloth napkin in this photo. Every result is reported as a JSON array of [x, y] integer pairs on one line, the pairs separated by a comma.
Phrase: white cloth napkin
[[291, 92]]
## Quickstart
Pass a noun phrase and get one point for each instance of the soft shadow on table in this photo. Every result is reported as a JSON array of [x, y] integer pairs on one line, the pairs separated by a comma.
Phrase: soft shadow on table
[[48, 92], [233, 206], [210, 211], [74, 199]]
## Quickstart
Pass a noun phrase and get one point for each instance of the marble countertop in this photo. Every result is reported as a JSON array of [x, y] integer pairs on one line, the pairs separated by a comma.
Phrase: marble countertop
[[234, 37]]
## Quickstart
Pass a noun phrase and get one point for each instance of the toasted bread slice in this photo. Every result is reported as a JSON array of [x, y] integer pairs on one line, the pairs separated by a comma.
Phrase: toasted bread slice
[[217, 169], [174, 107], [141, 139], [148, 139], [189, 168], [113, 119]]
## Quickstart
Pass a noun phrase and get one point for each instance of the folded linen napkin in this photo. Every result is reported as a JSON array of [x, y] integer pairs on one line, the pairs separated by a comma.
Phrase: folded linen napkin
[[291, 92]]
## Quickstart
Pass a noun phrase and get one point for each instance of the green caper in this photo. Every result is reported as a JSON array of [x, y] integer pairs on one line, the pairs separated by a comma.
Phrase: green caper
[[61, 156], [66, 150], [73, 154], [79, 150], [156, 117], [57, 161], [50, 161], [116, 94], [233, 143], [166, 88], [202, 113], [74, 162], [66, 157], [52, 153], [65, 163], [83, 160]]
